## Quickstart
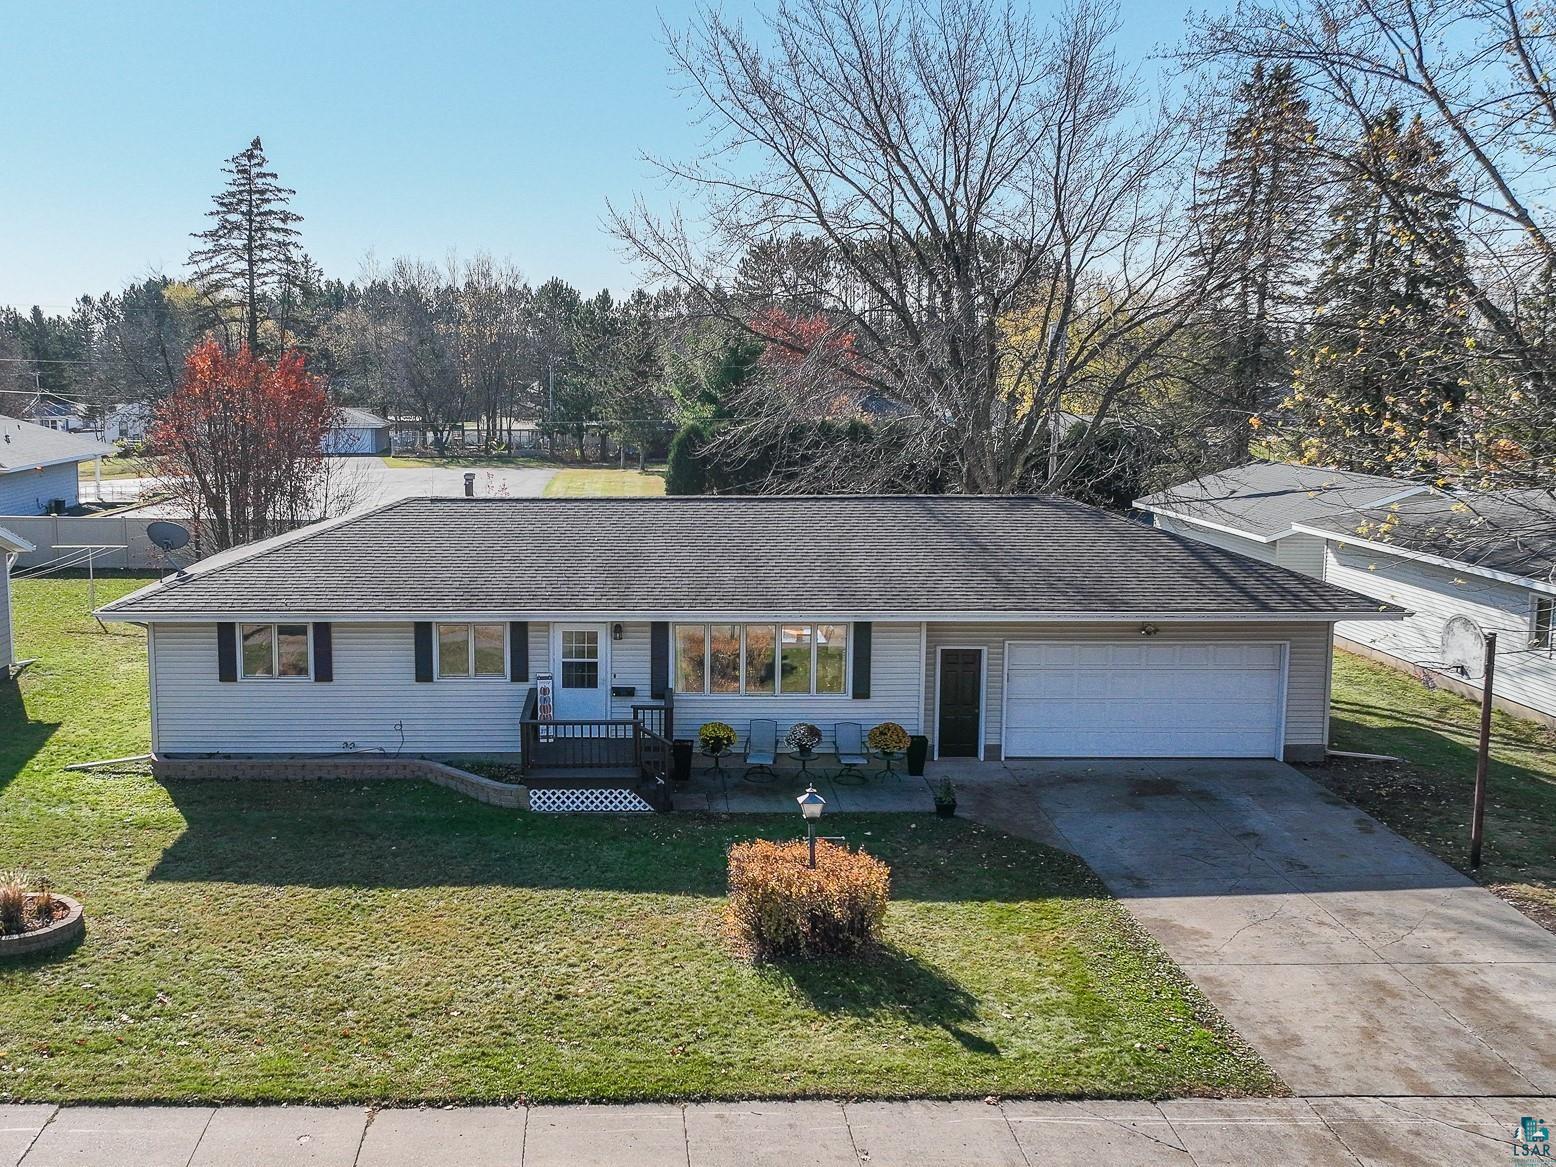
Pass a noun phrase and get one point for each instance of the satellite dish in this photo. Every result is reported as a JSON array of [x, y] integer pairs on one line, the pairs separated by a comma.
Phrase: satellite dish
[[1464, 647], [168, 536]]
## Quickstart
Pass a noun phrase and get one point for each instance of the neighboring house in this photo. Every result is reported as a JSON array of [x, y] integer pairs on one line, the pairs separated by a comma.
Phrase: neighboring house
[[11, 545], [126, 423], [358, 432], [1017, 627], [51, 414], [1489, 559], [38, 466]]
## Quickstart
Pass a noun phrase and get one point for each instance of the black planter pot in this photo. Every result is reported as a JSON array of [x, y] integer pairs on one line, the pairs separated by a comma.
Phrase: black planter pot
[[682, 770], [946, 810], [918, 754]]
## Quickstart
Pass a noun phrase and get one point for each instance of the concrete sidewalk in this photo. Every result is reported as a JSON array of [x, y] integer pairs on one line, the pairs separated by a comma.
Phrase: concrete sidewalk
[[1315, 1132]]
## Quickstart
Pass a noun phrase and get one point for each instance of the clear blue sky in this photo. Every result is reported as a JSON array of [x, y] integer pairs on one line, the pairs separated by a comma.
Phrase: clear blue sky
[[405, 128]]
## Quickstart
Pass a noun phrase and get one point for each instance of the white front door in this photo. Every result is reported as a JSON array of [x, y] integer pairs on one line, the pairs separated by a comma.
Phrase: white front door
[[1144, 699], [580, 659]]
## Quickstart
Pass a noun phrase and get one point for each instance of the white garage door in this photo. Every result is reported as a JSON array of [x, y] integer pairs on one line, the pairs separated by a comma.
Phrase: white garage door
[[1143, 699]]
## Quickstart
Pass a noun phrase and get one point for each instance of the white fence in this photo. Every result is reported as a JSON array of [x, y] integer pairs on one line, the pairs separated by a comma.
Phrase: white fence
[[60, 539]]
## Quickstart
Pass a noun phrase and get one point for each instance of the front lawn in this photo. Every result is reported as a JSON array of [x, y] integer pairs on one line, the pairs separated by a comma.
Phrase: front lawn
[[1427, 796], [322, 941], [579, 482]]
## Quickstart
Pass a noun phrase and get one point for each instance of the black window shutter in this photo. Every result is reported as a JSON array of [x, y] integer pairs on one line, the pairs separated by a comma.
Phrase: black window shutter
[[659, 659], [323, 653], [518, 650], [862, 658], [227, 652], [423, 650]]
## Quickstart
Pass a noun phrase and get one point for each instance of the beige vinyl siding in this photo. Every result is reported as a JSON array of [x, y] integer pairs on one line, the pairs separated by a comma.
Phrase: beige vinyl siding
[[1307, 681], [374, 687], [1264, 552], [1435, 593], [1304, 553], [28, 492]]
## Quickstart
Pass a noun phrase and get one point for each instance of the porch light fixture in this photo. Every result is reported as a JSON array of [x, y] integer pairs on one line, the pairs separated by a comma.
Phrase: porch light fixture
[[811, 805], [616, 632], [1149, 630]]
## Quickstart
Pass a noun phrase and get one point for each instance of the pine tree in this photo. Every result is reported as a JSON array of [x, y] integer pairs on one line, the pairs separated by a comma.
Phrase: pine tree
[[249, 253], [1257, 221], [1381, 382]]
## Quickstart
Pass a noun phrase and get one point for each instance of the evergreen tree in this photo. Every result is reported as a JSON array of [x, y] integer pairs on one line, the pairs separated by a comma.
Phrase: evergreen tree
[[1256, 220], [1381, 382], [249, 253]]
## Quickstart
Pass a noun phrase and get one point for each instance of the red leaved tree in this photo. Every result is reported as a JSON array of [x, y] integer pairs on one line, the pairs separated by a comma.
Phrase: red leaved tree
[[240, 443]]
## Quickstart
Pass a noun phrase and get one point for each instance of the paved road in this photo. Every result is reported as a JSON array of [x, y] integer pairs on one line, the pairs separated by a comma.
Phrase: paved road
[[1316, 1132], [1352, 960], [372, 483]]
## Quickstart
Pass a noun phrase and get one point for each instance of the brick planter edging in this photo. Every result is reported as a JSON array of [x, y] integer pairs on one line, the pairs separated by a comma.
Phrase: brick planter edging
[[57, 933], [304, 769]]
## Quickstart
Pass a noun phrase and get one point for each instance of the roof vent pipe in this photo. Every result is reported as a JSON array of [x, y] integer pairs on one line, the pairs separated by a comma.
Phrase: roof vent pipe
[[469, 485]]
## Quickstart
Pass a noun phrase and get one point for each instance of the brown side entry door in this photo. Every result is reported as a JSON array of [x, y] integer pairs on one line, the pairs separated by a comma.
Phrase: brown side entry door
[[961, 702]]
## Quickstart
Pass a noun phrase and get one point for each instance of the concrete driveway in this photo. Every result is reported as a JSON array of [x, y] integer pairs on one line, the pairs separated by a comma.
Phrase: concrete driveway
[[1352, 960]]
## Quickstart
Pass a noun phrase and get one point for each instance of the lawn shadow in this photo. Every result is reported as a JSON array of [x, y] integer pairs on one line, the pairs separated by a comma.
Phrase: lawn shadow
[[21, 739], [887, 982], [412, 835]]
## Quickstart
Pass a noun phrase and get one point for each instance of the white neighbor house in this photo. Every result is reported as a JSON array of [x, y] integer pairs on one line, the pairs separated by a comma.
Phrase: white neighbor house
[[11, 545], [1016, 627], [358, 432], [1487, 558], [38, 466]]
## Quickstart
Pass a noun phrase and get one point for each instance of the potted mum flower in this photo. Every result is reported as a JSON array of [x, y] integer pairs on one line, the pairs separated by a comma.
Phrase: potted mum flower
[[889, 740], [716, 740], [803, 738]]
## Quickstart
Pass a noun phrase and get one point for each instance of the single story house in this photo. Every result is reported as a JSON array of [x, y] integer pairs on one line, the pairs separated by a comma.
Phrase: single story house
[[54, 414], [1463, 565], [38, 466], [356, 431], [11, 545], [996, 626], [128, 422]]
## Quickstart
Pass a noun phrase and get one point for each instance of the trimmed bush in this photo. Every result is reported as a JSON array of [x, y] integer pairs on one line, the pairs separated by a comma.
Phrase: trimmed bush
[[779, 906]]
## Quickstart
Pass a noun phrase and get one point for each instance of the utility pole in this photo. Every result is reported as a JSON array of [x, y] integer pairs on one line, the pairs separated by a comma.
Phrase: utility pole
[[1483, 758]]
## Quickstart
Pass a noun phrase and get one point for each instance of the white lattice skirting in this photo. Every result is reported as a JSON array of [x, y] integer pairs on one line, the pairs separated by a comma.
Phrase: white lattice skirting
[[575, 801]]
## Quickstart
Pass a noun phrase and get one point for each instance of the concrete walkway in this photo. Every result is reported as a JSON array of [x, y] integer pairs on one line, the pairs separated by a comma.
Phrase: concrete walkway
[[1352, 960], [1314, 1132]]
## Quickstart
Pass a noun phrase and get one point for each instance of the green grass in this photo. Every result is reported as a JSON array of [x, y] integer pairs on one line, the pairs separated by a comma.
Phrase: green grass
[[1427, 796], [582, 482], [115, 468], [322, 941]]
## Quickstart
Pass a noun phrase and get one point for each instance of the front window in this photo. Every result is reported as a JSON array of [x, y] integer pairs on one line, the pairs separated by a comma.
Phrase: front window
[[472, 650], [1542, 628], [580, 658], [762, 659], [275, 650]]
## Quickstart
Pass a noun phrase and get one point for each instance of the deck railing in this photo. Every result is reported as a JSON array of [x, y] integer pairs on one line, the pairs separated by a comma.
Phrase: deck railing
[[642, 742]]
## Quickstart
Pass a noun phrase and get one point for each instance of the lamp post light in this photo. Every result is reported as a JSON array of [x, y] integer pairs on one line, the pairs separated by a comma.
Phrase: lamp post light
[[811, 805]]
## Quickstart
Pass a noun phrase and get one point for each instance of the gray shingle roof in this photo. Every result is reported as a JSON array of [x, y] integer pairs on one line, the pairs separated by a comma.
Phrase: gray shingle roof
[[1265, 498], [353, 418], [1512, 531], [879, 556], [24, 446]]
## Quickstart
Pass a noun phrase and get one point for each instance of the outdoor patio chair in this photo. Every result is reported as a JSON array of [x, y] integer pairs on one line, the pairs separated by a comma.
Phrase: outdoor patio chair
[[851, 754], [761, 748]]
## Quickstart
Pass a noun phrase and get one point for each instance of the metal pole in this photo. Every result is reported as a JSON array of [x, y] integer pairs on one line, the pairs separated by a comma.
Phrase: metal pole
[[1483, 757], [810, 834]]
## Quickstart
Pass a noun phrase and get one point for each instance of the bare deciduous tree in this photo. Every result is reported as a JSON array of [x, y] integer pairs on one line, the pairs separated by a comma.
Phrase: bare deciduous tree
[[985, 213]]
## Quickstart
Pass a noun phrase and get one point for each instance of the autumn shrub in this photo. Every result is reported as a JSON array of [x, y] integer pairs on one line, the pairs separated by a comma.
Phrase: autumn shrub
[[15, 907], [780, 906]]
